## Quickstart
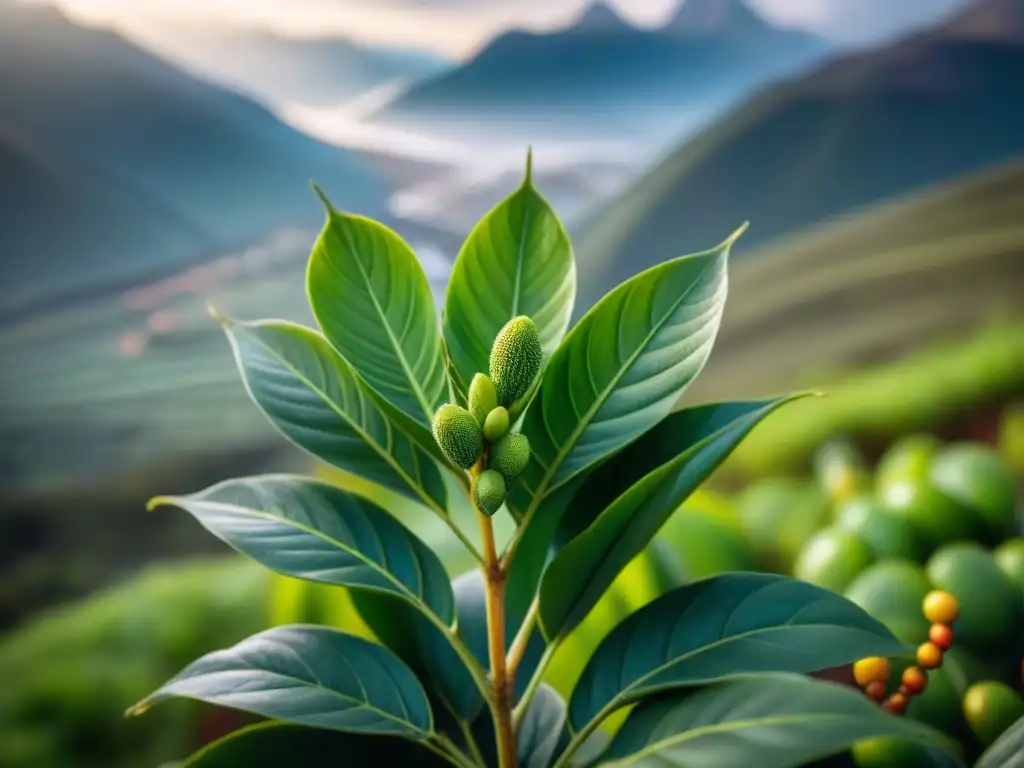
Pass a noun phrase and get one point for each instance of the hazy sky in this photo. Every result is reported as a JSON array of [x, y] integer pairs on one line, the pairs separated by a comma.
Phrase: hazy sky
[[456, 27]]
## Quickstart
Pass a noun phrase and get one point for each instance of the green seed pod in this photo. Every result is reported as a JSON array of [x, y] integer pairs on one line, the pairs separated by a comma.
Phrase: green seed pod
[[490, 491], [483, 398], [458, 434], [511, 455], [515, 359], [496, 424]]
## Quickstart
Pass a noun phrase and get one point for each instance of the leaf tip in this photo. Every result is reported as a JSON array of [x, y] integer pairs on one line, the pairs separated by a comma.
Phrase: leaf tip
[[217, 315], [137, 709], [528, 179], [324, 200], [158, 501], [729, 241]]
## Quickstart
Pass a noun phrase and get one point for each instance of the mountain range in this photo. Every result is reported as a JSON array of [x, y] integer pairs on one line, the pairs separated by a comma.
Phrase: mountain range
[[114, 164], [860, 129], [317, 72], [600, 65]]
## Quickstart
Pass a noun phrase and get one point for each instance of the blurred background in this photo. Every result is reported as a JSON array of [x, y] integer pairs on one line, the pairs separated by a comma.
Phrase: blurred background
[[155, 157]]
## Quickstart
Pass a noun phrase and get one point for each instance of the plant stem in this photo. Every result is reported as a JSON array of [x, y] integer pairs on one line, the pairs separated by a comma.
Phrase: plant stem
[[474, 748], [494, 580], [518, 648], [444, 747]]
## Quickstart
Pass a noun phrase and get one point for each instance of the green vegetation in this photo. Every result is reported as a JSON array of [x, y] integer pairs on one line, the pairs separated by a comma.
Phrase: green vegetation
[[455, 668]]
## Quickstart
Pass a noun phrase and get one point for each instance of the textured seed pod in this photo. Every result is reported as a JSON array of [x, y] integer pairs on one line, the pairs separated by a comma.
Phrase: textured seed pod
[[515, 359], [490, 491], [511, 455], [496, 424], [483, 397], [458, 434]]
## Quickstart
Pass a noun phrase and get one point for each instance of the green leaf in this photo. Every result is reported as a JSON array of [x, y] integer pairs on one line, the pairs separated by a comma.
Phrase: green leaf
[[768, 721], [517, 261], [1007, 751], [654, 476], [542, 726], [728, 625], [371, 297], [618, 373], [273, 745], [316, 400], [316, 531], [309, 676], [431, 653]]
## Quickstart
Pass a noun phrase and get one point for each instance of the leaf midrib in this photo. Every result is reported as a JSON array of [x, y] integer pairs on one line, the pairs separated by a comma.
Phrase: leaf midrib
[[543, 488], [390, 426], [416, 600], [732, 725], [360, 703], [399, 352], [624, 697]]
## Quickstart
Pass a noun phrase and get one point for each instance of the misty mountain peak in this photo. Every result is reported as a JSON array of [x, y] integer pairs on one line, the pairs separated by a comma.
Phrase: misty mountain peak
[[715, 17], [599, 18]]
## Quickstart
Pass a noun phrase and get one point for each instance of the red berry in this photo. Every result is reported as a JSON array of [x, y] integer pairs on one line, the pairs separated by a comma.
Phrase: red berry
[[896, 704], [941, 636], [876, 691], [915, 680]]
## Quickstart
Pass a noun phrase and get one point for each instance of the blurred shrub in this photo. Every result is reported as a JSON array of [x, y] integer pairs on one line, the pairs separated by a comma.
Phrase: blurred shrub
[[68, 676]]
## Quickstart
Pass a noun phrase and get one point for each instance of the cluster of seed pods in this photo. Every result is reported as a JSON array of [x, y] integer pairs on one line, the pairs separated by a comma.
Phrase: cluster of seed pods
[[872, 674]]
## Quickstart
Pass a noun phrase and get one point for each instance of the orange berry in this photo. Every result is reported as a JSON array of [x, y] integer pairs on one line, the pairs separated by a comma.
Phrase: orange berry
[[874, 669], [929, 656], [896, 704], [941, 635], [876, 691], [915, 680], [940, 607]]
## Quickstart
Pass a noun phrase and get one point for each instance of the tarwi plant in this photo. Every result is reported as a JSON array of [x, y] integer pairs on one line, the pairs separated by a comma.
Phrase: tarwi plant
[[575, 434]]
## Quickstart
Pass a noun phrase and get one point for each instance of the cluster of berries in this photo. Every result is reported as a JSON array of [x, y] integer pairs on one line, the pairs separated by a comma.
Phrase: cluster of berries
[[872, 674], [482, 433]]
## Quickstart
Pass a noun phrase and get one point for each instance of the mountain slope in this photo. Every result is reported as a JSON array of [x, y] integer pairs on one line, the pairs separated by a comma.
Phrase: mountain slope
[[872, 287], [210, 168], [601, 65], [321, 72], [859, 130]]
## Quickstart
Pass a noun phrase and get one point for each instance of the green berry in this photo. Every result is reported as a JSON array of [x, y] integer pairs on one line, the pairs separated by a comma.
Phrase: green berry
[[511, 455], [490, 491], [496, 424], [515, 359], [458, 434], [483, 397]]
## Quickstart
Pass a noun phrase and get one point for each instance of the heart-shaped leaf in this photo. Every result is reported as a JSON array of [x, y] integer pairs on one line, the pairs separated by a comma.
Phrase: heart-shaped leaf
[[619, 372], [728, 625], [308, 676], [272, 745], [768, 721], [372, 300], [316, 400], [667, 464], [541, 729], [1007, 751], [316, 531], [516, 261]]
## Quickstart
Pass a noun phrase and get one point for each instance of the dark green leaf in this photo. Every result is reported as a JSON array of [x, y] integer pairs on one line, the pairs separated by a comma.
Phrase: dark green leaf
[[660, 471], [727, 625], [308, 676], [431, 654], [541, 729], [1007, 751], [618, 373], [517, 261], [274, 745], [768, 721], [316, 531], [371, 298], [315, 399]]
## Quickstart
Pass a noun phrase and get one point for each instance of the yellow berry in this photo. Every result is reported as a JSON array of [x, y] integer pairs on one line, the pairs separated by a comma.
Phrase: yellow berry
[[940, 607], [929, 656], [871, 670]]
